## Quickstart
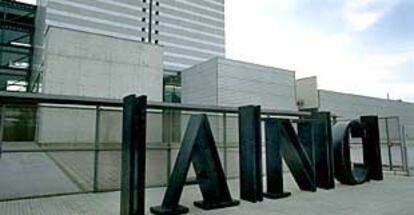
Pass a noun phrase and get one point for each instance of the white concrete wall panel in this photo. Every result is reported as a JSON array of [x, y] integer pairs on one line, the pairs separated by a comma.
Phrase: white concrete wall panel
[[226, 82], [242, 83], [199, 84], [307, 93], [84, 64]]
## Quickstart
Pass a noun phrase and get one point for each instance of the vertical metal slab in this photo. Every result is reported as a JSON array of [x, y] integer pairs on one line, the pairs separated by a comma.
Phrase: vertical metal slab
[[2, 121], [251, 187], [274, 165], [133, 155], [389, 145], [372, 147], [306, 139], [323, 151]]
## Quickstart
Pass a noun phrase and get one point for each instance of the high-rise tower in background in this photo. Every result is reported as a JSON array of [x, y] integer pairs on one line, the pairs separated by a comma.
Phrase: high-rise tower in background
[[191, 31]]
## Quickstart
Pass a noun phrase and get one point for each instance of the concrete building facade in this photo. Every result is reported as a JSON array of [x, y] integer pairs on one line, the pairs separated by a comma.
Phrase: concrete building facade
[[226, 82], [191, 31], [94, 65], [84, 64]]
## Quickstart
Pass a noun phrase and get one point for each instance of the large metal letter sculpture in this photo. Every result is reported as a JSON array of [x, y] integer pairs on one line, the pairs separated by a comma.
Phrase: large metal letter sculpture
[[372, 147], [199, 148], [323, 154], [274, 171], [296, 157], [133, 156], [251, 185], [345, 171], [367, 129]]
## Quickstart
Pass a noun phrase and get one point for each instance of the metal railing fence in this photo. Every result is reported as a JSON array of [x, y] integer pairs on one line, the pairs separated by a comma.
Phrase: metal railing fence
[[76, 143]]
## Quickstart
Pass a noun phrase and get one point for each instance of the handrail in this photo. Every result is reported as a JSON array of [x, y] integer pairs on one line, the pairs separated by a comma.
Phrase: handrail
[[38, 98]]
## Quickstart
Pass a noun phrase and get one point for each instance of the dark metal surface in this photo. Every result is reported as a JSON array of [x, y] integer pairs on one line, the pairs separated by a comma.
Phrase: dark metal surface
[[372, 147], [133, 156], [251, 185], [345, 171], [274, 165], [198, 147], [295, 155], [323, 151], [306, 138]]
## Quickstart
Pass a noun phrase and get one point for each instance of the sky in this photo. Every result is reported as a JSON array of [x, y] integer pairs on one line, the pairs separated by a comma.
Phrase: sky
[[362, 47]]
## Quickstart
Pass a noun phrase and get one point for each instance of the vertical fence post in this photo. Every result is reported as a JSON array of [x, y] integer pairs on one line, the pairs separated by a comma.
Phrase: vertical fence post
[[2, 121], [133, 155], [225, 144], [405, 154], [96, 149], [169, 141], [401, 144], [387, 131], [37, 124]]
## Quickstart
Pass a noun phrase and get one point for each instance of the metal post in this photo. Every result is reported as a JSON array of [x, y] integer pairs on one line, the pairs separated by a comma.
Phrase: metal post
[[2, 121], [169, 141], [250, 154], [387, 130], [134, 122], [225, 144], [404, 149], [37, 125], [96, 148], [401, 144]]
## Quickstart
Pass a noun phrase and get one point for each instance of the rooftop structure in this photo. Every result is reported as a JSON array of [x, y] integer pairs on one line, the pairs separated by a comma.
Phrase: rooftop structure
[[16, 44]]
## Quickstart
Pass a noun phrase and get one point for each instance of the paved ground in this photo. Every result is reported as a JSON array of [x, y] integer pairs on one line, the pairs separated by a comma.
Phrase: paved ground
[[394, 196], [28, 174], [33, 174]]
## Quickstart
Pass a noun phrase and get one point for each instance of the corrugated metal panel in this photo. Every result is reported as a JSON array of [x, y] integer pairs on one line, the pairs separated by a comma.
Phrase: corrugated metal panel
[[233, 83], [242, 83]]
